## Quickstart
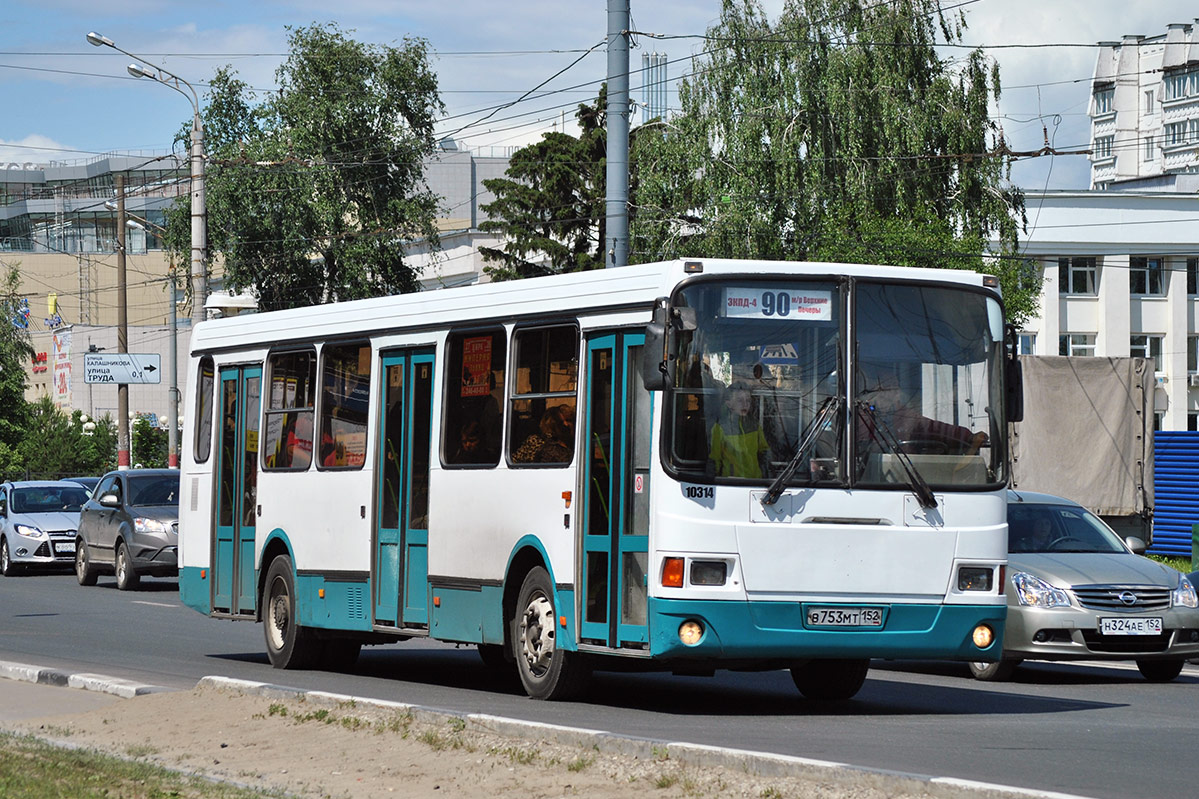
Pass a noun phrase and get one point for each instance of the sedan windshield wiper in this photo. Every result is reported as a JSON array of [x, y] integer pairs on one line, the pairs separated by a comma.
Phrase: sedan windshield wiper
[[886, 437], [827, 410]]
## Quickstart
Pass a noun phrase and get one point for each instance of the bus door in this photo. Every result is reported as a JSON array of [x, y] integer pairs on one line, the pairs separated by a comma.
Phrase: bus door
[[615, 523], [233, 583], [401, 534]]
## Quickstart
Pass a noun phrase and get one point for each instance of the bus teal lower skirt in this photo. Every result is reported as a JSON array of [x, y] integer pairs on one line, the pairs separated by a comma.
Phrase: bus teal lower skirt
[[781, 630]]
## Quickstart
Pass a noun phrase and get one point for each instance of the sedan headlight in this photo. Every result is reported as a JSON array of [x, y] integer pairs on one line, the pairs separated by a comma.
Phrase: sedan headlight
[[1184, 595], [1035, 592], [142, 525], [28, 532]]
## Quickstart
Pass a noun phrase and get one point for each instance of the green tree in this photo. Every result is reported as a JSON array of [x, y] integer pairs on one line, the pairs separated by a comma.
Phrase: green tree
[[836, 133], [550, 207], [149, 445], [312, 193], [54, 444], [15, 352]]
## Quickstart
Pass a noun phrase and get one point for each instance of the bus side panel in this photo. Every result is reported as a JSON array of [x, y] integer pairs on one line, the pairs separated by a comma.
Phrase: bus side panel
[[776, 630], [193, 589], [333, 604]]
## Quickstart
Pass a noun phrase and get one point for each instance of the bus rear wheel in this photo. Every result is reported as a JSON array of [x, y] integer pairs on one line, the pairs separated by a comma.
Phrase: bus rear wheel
[[289, 645], [547, 671], [830, 680]]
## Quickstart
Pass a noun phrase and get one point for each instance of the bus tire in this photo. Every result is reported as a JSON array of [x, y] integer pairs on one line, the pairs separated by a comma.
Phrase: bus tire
[[288, 644], [830, 680], [547, 671], [127, 577]]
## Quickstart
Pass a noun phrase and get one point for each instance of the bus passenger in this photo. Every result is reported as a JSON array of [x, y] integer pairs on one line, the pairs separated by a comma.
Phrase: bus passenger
[[738, 444], [554, 443]]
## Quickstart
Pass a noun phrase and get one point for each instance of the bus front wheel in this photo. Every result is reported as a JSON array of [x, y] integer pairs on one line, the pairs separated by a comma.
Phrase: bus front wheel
[[547, 671], [830, 680], [288, 644]]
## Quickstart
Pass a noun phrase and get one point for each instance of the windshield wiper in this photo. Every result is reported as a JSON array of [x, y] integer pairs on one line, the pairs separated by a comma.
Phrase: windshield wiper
[[884, 436], [827, 410]]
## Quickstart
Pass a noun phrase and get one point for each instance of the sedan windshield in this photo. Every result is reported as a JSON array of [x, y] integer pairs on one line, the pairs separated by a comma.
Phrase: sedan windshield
[[48, 499], [1058, 528]]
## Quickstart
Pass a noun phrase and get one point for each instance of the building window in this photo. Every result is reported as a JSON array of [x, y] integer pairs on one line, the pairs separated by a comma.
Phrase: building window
[[1149, 102], [1103, 100], [1149, 150], [1193, 276], [1027, 343], [1159, 419], [1145, 276], [1145, 346], [1076, 344], [1193, 421], [1176, 84], [1175, 133], [1103, 146], [1077, 275], [1192, 354]]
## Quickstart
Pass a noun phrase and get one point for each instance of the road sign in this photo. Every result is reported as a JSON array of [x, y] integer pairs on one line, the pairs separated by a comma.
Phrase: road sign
[[118, 368]]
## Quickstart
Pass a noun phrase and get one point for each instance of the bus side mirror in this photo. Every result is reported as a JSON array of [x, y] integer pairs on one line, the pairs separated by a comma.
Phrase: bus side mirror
[[655, 361], [1013, 378]]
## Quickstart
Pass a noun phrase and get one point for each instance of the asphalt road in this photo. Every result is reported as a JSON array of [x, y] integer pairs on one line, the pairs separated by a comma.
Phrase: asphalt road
[[1090, 730]]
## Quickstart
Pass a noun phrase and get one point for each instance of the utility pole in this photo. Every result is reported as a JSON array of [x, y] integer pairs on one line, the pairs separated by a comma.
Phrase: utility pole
[[122, 329], [173, 404], [616, 244]]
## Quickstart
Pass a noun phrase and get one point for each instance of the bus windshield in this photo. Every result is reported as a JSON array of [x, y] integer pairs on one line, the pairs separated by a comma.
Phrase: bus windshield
[[760, 390]]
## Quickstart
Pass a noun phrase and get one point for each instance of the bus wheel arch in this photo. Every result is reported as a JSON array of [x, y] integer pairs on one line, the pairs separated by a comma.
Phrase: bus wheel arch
[[275, 547]]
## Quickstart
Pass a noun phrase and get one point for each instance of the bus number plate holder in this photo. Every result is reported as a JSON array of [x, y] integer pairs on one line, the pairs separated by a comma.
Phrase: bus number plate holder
[[842, 616]]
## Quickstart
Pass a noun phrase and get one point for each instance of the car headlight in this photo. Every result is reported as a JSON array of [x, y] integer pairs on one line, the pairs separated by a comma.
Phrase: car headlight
[[1035, 592], [150, 526], [28, 532], [1184, 595]]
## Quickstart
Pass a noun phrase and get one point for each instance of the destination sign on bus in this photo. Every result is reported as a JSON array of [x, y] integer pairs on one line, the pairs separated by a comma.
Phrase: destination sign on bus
[[769, 302]]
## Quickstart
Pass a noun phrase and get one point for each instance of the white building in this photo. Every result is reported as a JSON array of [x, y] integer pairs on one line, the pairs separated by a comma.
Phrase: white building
[[1121, 277], [1145, 107]]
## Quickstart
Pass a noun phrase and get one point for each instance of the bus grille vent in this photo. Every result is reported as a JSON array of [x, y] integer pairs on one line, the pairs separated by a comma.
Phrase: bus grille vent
[[355, 605]]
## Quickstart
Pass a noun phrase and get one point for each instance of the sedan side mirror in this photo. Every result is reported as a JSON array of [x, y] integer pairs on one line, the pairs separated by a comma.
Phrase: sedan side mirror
[[1137, 545], [110, 500]]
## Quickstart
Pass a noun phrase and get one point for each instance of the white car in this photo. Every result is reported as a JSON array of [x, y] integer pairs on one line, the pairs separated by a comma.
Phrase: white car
[[1077, 591], [38, 522]]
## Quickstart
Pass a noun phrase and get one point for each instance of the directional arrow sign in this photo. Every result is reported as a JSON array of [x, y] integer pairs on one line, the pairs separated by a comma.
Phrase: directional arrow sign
[[118, 368]]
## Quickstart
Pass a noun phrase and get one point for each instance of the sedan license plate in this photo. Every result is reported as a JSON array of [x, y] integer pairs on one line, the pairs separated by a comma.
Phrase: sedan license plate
[[844, 617], [1117, 626], [64, 547]]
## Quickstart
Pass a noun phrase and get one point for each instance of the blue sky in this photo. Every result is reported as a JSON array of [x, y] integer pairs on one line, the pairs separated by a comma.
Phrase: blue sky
[[65, 100]]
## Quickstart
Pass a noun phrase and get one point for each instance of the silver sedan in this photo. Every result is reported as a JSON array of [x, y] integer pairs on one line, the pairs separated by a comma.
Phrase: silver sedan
[[1076, 591]]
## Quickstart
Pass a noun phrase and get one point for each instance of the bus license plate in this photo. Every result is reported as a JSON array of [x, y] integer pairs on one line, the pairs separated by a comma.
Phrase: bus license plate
[[1116, 626], [64, 547], [844, 617]]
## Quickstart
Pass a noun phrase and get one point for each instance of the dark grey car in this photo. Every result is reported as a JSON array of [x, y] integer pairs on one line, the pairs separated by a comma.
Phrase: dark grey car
[[130, 527]]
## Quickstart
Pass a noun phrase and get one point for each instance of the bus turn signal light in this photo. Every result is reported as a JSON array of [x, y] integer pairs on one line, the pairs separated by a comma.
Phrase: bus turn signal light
[[672, 573]]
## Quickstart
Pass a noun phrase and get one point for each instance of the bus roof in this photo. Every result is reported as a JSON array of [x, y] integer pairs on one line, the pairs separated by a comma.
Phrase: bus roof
[[625, 288]]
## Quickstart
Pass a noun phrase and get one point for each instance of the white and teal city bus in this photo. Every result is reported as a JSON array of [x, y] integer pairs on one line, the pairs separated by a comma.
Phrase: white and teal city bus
[[689, 465]]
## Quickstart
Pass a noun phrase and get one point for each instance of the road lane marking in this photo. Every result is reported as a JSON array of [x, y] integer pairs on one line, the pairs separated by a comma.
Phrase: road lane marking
[[155, 604]]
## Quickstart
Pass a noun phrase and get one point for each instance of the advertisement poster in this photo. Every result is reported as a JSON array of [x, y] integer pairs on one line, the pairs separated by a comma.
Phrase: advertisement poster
[[62, 369], [476, 366]]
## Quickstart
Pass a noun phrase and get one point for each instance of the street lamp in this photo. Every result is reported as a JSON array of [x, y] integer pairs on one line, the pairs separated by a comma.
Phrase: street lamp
[[199, 268]]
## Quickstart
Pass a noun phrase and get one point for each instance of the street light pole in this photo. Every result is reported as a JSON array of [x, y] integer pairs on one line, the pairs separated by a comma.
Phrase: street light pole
[[199, 243]]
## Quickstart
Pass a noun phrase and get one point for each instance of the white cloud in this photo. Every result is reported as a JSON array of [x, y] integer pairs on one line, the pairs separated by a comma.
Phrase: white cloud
[[34, 149]]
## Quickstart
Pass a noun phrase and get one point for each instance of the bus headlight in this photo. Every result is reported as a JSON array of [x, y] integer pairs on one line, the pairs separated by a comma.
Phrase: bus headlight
[[974, 578], [690, 632], [709, 572]]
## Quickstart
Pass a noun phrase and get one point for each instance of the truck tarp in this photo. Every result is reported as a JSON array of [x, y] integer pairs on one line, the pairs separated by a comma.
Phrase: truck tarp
[[1087, 433]]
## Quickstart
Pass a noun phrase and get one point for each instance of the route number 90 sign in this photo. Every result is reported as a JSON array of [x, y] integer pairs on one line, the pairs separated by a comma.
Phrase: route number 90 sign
[[774, 303]]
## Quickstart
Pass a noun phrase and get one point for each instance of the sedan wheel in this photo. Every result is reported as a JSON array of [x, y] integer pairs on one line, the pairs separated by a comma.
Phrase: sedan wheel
[[84, 572], [127, 578], [994, 672], [7, 567], [1160, 670]]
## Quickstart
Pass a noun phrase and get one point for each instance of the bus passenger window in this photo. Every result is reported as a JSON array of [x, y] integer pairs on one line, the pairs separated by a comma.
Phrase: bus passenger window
[[205, 388], [288, 439], [473, 418], [544, 396], [345, 398]]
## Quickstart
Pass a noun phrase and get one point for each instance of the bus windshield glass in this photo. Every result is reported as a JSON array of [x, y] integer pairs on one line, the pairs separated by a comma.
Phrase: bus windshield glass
[[757, 363], [759, 387]]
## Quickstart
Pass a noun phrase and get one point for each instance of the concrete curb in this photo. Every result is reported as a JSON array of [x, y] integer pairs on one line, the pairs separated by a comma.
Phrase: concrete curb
[[757, 763], [127, 689]]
